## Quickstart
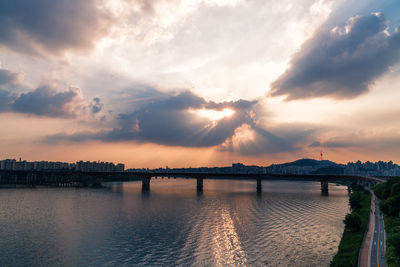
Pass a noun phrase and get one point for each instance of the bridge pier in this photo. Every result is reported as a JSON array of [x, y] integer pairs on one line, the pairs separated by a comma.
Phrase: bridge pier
[[259, 186], [324, 188], [199, 184], [146, 183]]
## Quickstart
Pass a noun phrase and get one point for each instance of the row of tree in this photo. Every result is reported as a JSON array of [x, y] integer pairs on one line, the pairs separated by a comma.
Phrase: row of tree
[[389, 195], [355, 225]]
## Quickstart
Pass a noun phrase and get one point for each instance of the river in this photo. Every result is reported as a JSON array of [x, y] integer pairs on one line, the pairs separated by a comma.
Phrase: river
[[229, 224]]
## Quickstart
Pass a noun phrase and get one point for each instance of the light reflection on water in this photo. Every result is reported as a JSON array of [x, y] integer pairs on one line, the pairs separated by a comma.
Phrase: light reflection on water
[[289, 224]]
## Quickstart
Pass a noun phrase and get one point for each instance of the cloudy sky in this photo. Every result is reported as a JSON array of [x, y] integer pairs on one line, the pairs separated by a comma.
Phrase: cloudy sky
[[184, 83]]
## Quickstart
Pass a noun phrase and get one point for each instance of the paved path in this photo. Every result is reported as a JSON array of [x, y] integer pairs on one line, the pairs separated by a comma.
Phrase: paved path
[[377, 249], [366, 245]]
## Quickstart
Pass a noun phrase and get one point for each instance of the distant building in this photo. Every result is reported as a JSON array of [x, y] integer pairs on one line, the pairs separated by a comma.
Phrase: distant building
[[237, 166], [8, 164], [99, 166], [23, 165], [120, 167]]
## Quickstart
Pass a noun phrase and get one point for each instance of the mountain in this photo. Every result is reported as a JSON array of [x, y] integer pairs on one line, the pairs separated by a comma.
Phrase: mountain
[[307, 162], [308, 166]]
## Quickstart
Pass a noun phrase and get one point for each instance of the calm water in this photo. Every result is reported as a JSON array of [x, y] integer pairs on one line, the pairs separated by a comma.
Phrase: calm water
[[289, 224]]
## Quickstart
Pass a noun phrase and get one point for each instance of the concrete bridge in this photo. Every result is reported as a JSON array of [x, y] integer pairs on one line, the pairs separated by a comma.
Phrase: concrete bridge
[[199, 176], [68, 178]]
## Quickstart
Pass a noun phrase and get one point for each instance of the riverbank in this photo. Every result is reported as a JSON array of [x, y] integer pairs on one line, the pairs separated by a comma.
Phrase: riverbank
[[389, 195], [356, 223]]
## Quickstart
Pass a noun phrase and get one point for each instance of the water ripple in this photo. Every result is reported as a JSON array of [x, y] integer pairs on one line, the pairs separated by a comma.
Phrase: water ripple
[[289, 224]]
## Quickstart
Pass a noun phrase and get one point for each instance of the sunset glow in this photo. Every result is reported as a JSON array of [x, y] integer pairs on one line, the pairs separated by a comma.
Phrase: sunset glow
[[214, 115], [196, 75]]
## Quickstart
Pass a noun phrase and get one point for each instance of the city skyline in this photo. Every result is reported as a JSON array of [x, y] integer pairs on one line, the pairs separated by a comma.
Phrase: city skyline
[[199, 82], [299, 166], [23, 165]]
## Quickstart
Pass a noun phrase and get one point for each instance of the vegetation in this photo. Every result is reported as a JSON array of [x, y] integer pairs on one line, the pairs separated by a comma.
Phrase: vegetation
[[355, 223], [389, 194], [308, 162]]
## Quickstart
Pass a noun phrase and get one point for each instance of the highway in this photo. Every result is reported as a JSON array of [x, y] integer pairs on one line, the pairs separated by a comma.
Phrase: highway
[[377, 248]]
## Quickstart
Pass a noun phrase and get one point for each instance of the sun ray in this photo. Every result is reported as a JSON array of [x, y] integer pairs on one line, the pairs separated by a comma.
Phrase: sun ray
[[213, 114]]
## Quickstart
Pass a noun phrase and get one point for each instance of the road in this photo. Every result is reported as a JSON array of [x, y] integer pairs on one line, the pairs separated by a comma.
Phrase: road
[[377, 249]]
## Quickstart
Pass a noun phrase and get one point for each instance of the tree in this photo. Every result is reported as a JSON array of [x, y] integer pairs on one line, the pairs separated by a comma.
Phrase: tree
[[394, 240], [355, 200], [353, 221], [379, 190], [395, 190], [391, 206]]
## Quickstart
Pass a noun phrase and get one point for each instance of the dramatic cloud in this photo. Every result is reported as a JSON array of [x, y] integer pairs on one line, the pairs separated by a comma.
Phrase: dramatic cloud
[[177, 121], [48, 25], [46, 101], [342, 62], [254, 140], [191, 121]]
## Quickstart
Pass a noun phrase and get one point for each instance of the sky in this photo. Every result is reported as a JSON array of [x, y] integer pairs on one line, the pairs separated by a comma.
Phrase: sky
[[180, 83]]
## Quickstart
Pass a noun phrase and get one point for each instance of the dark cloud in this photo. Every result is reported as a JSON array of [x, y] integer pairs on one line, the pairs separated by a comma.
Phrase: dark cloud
[[7, 80], [34, 26], [342, 62], [96, 106], [173, 121], [46, 101], [6, 99], [315, 144], [9, 77]]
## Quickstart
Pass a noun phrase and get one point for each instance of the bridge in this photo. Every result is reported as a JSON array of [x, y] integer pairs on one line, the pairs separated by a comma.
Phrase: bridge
[[69, 178]]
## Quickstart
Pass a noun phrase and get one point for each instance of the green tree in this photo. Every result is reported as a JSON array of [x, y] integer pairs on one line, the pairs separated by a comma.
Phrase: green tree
[[379, 190], [395, 190], [394, 240], [387, 189], [355, 200], [391, 206], [353, 222]]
